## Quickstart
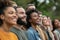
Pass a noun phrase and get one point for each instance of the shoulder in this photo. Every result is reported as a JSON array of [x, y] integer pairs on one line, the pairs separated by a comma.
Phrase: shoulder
[[14, 30], [56, 34], [30, 31], [56, 31], [1, 36], [13, 35]]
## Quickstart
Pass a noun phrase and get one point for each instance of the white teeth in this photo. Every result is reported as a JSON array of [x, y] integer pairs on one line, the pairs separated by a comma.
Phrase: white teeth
[[14, 20]]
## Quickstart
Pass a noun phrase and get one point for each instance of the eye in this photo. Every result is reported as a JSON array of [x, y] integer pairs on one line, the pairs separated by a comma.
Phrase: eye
[[11, 12], [21, 12], [35, 16]]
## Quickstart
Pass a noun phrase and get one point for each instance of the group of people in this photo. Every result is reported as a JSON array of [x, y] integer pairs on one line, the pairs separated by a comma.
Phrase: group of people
[[16, 23]]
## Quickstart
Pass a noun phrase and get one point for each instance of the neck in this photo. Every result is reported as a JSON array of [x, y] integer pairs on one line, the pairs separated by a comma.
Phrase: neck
[[33, 25], [46, 27], [6, 27], [18, 26], [24, 28]]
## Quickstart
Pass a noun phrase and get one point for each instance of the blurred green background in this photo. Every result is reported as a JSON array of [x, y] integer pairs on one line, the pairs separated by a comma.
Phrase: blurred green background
[[47, 7]]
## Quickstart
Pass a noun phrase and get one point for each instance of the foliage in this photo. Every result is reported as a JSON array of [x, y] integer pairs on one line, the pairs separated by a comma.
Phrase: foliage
[[45, 8]]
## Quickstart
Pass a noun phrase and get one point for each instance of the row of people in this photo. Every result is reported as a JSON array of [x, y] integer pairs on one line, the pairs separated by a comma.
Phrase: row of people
[[18, 24]]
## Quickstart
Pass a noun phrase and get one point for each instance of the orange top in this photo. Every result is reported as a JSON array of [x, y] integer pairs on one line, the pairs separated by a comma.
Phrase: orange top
[[7, 36]]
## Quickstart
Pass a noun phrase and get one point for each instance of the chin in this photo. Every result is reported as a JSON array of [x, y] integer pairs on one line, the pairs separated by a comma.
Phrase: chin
[[14, 23]]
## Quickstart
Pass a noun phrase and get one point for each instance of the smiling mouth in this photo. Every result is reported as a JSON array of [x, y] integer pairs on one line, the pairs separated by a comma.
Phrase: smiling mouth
[[14, 20]]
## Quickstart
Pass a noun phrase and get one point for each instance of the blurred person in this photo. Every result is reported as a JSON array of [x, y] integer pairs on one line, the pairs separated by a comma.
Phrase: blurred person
[[8, 18], [40, 17], [19, 29], [47, 22], [57, 32], [22, 15], [33, 20], [50, 21], [39, 27], [55, 23], [47, 29], [30, 7]]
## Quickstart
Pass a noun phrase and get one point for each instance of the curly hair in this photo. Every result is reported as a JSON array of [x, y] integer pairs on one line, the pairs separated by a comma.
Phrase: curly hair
[[3, 5], [28, 13]]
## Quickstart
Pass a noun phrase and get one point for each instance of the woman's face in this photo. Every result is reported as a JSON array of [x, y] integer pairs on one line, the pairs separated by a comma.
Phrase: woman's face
[[46, 21], [56, 21], [9, 16], [34, 18], [40, 17]]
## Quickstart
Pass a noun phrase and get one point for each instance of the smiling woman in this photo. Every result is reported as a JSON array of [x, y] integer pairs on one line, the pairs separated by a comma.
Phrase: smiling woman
[[8, 18]]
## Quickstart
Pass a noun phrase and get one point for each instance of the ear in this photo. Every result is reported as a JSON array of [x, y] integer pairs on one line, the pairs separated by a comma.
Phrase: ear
[[2, 17]]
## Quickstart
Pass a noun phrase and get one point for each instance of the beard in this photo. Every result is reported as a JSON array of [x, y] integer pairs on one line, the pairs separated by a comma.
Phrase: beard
[[21, 22]]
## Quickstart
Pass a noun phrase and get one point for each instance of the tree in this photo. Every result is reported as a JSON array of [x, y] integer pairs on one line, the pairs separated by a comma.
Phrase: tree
[[48, 7]]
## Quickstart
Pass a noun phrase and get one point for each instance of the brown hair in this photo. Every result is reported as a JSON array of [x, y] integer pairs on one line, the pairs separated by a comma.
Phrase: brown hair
[[3, 5]]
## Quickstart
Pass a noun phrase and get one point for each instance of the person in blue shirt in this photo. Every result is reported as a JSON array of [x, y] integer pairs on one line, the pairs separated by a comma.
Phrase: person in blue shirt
[[32, 20]]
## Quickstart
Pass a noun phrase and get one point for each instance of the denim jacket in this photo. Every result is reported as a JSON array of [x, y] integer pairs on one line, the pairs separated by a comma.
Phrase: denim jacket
[[32, 34]]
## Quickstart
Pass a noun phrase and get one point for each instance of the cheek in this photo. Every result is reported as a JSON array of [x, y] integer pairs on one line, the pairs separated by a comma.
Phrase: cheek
[[59, 25], [34, 21], [7, 18], [44, 22], [55, 23], [34, 18], [47, 23]]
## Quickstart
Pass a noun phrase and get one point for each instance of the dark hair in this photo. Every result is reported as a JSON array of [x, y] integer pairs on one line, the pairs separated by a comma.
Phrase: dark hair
[[27, 8], [30, 5], [3, 5], [54, 27], [28, 13]]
